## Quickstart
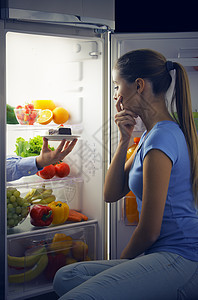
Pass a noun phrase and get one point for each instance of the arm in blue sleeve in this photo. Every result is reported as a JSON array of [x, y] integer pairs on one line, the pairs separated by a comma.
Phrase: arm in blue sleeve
[[17, 167]]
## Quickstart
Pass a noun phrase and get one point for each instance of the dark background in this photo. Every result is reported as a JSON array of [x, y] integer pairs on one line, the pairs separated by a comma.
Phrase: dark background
[[151, 16]]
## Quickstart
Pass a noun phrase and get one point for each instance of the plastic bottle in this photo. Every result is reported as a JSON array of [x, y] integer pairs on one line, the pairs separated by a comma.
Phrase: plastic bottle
[[132, 148], [131, 212]]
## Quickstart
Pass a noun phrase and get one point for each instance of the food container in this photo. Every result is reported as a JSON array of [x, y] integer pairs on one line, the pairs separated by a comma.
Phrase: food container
[[35, 256], [27, 116]]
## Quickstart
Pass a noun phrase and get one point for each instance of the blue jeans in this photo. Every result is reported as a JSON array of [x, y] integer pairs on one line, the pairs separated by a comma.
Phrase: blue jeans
[[163, 275]]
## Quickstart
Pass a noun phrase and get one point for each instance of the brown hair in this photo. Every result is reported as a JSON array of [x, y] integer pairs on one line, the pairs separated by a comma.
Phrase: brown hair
[[149, 64]]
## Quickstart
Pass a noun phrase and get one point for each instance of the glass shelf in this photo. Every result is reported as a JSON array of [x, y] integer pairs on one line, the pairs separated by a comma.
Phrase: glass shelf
[[76, 128]]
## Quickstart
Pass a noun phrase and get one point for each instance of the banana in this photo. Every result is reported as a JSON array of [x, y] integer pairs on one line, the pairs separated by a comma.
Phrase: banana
[[43, 195], [29, 275], [46, 200], [30, 194], [25, 261]]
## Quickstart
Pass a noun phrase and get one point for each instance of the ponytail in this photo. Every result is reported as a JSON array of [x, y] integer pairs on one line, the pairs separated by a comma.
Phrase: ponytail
[[184, 118]]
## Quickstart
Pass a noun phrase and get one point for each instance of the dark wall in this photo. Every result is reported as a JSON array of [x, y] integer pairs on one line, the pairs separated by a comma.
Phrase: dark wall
[[163, 16]]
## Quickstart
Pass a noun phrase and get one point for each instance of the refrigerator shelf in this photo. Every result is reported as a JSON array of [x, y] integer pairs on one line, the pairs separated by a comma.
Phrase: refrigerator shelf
[[31, 181], [76, 128], [26, 229]]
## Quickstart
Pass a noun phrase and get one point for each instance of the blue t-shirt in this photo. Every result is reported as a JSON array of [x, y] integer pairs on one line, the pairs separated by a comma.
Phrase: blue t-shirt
[[179, 230]]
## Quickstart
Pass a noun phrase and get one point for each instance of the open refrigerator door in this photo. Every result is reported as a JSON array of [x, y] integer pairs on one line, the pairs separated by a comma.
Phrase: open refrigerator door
[[65, 66], [179, 47]]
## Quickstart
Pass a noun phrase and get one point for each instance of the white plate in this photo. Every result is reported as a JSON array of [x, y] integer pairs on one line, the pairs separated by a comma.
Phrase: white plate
[[61, 137]]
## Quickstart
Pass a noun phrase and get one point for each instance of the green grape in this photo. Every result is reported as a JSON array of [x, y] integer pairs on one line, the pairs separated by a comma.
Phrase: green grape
[[24, 212], [18, 210], [10, 208], [9, 215], [16, 193], [20, 201], [16, 222], [12, 199], [9, 193], [11, 222], [15, 216], [14, 204]]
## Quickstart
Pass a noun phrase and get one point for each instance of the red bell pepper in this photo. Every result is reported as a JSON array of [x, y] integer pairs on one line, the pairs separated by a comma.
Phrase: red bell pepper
[[41, 215]]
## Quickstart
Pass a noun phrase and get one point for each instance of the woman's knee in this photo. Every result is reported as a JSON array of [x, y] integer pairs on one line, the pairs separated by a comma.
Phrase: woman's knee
[[64, 279]]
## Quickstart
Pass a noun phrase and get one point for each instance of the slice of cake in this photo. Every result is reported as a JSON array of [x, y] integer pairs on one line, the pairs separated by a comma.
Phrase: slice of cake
[[60, 130]]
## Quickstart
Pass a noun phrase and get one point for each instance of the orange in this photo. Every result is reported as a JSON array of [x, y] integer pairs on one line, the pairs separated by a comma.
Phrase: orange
[[45, 117], [44, 104], [60, 115]]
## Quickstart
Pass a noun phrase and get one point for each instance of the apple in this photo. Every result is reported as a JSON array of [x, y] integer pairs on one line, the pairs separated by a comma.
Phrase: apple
[[79, 250]]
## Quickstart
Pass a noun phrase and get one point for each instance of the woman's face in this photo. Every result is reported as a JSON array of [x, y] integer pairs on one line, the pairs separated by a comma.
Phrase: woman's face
[[128, 91]]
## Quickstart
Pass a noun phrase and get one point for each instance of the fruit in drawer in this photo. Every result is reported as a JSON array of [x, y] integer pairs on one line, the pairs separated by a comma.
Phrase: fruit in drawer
[[25, 261], [55, 262], [61, 243], [34, 272], [70, 260], [79, 250]]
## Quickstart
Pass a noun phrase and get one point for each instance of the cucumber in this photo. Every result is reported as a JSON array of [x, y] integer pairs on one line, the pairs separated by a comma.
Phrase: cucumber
[[11, 118]]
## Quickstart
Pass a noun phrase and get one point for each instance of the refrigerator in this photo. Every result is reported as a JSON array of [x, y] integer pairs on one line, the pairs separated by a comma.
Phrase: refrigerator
[[66, 53]]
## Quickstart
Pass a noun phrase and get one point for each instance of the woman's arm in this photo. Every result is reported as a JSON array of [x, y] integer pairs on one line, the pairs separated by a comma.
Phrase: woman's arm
[[116, 180], [156, 175]]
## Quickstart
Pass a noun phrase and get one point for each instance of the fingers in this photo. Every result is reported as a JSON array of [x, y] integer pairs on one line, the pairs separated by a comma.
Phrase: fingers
[[125, 116], [118, 105], [70, 145], [45, 144], [61, 145], [64, 148]]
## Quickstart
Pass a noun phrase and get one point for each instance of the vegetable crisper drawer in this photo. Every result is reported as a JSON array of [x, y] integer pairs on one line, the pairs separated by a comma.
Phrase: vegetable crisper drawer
[[34, 258]]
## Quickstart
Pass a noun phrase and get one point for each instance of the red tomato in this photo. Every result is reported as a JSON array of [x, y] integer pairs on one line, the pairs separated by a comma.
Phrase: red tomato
[[47, 172], [62, 169]]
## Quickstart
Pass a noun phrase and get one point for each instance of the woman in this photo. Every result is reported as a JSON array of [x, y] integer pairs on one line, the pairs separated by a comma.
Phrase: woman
[[163, 174]]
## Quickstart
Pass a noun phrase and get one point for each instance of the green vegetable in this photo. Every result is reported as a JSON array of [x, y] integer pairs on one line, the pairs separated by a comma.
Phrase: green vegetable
[[11, 118], [31, 148]]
